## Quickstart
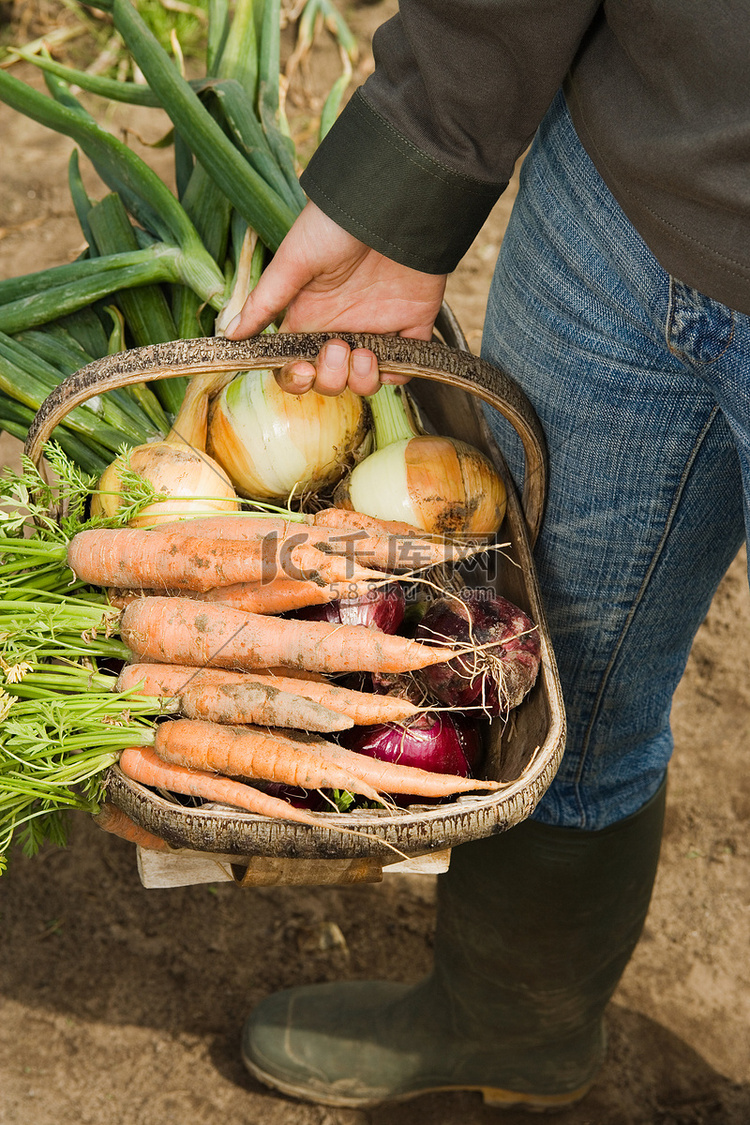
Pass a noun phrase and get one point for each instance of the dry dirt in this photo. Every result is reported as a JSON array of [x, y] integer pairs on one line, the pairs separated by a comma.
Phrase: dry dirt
[[124, 1005]]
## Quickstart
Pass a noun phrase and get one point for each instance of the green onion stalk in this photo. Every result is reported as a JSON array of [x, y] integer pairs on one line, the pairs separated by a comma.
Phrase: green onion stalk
[[164, 264]]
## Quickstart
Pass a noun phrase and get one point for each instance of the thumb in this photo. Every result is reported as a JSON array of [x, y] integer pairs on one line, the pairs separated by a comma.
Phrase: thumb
[[279, 283]]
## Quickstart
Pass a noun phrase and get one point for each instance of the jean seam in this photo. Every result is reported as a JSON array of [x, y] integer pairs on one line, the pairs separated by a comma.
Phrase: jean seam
[[683, 356], [595, 711]]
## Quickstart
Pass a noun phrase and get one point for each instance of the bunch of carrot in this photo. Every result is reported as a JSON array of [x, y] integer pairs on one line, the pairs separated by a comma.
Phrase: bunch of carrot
[[200, 606]]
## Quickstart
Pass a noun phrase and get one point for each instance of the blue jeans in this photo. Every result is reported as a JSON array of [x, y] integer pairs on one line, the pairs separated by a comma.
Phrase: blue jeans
[[642, 385]]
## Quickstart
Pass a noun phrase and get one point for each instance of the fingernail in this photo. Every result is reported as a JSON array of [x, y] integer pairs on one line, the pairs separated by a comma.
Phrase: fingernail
[[294, 382], [361, 363], [233, 325], [336, 355]]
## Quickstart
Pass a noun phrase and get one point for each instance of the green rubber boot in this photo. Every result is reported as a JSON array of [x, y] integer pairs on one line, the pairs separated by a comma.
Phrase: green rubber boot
[[534, 929]]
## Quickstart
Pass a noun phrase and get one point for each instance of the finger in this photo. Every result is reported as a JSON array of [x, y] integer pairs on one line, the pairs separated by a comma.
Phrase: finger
[[277, 286], [393, 379], [296, 378], [364, 376], [332, 368]]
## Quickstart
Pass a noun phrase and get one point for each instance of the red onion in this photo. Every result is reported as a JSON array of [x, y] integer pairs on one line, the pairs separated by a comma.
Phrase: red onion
[[504, 668], [432, 741], [382, 609]]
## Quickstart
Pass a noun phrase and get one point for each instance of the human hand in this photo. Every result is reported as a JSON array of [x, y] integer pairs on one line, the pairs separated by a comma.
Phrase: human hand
[[329, 281]]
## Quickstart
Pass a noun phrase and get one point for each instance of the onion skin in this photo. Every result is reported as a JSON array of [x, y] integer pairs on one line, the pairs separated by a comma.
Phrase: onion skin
[[270, 442], [438, 484], [193, 482], [177, 467], [497, 677], [436, 742], [382, 609]]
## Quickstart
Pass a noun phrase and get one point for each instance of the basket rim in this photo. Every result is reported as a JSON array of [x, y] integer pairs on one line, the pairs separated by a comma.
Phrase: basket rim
[[396, 354]]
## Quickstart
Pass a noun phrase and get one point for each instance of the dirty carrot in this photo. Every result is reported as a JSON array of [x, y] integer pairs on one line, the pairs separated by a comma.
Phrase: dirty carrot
[[346, 518], [171, 679], [391, 547], [259, 703], [253, 752], [131, 558], [386, 777], [282, 594], [364, 708], [162, 680], [234, 527], [142, 765], [296, 673], [114, 820], [279, 595], [182, 631]]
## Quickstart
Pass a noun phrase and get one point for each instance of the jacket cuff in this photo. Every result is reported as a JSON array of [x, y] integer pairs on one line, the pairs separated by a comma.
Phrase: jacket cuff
[[377, 185]]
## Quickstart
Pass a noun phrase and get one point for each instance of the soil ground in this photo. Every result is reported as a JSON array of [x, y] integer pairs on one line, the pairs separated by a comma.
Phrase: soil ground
[[124, 1005]]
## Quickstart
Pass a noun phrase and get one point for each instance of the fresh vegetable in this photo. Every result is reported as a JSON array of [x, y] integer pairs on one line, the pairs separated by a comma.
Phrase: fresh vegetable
[[183, 631], [248, 524], [67, 719], [168, 680], [309, 763], [433, 741], [236, 751], [380, 609], [437, 484], [114, 820], [177, 468], [141, 764], [503, 664], [281, 594], [274, 444], [130, 558], [356, 520], [406, 549], [389, 777], [260, 703]]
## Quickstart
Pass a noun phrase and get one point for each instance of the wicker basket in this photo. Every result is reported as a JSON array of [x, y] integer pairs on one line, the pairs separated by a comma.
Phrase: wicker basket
[[449, 382]]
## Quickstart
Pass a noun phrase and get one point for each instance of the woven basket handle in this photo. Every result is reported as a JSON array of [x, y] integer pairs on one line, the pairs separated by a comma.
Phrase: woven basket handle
[[395, 355]]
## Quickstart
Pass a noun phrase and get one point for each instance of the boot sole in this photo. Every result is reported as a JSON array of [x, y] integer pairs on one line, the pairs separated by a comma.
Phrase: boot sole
[[497, 1098]]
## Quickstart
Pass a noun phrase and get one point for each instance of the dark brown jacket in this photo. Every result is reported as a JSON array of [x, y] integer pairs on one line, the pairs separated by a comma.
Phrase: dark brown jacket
[[659, 91]]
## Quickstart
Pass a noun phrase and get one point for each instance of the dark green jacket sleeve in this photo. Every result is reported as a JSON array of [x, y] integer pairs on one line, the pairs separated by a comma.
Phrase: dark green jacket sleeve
[[423, 150]]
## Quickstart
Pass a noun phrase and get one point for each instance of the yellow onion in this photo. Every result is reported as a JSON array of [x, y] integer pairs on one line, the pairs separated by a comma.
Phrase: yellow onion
[[438, 484], [177, 467], [272, 443]]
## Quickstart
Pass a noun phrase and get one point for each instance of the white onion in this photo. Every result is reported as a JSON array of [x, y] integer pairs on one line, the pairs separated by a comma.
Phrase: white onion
[[192, 480], [438, 484], [272, 443], [378, 486], [177, 468]]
